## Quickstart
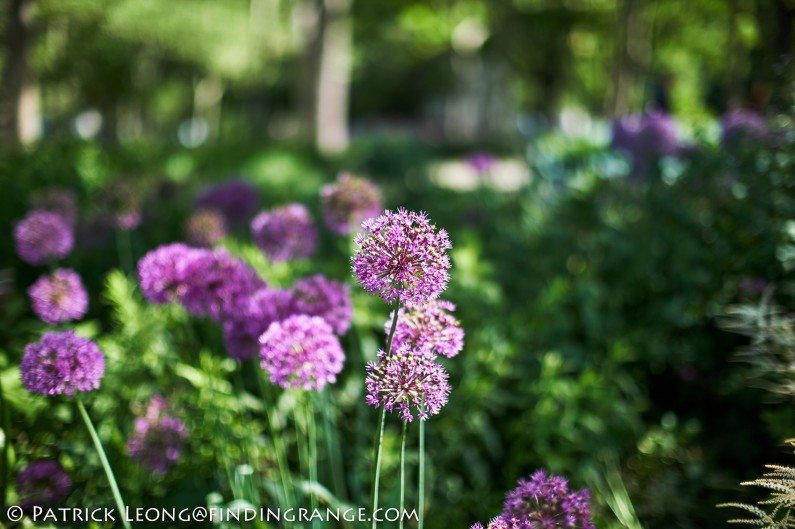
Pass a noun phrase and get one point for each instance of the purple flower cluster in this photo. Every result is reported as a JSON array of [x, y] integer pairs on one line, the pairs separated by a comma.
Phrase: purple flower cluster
[[645, 138], [301, 352], [243, 327], [158, 438], [59, 297], [42, 483], [544, 502], [319, 296], [205, 228], [62, 362], [235, 199], [407, 380], [741, 125], [43, 236], [428, 327], [348, 202], [206, 282], [402, 257], [285, 233]]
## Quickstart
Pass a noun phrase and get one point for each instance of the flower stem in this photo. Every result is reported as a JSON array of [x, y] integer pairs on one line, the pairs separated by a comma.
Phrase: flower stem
[[124, 250], [403, 473], [421, 493], [278, 443], [333, 445], [6, 464], [312, 449], [105, 465]]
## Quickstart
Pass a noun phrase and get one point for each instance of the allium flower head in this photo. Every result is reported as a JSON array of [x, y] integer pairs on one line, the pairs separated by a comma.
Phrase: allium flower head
[[162, 271], [57, 200], [301, 352], [407, 381], [501, 522], [285, 233], [482, 162], [205, 228], [545, 502], [62, 362], [741, 125], [59, 297], [243, 327], [43, 236], [236, 200], [657, 135], [402, 257], [158, 438], [428, 327], [42, 483], [348, 202], [319, 296]]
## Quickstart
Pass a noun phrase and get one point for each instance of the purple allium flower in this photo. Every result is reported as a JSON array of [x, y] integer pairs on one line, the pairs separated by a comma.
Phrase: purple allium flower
[[42, 483], [301, 352], [243, 327], [158, 439], [545, 501], [625, 133], [205, 228], [59, 297], [428, 327], [348, 202], [407, 379], [285, 233], [43, 236], [121, 202], [162, 271], [482, 162], [236, 200], [57, 200], [500, 522], [657, 135], [402, 257], [62, 362], [319, 296], [739, 125]]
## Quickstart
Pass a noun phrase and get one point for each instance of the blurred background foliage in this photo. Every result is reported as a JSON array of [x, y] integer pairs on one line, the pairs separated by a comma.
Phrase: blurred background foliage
[[591, 306]]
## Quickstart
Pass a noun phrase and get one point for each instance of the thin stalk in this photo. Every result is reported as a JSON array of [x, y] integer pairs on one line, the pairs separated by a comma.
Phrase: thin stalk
[[5, 470], [124, 250], [312, 449], [333, 447], [105, 465], [278, 445], [421, 492], [403, 473]]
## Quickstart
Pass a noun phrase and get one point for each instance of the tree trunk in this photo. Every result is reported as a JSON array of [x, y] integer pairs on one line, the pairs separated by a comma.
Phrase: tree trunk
[[19, 98]]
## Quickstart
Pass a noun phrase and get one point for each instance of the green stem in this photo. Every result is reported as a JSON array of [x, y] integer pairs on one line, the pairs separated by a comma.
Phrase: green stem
[[124, 250], [421, 492], [105, 465], [403, 473], [312, 449], [5, 471], [333, 447], [278, 445]]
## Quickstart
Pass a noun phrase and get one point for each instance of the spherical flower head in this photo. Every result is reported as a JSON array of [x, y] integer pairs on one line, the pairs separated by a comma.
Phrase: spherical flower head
[[243, 327], [545, 501], [215, 283], [402, 257], [428, 327], [62, 363], [235, 199], [42, 483], [501, 522], [161, 272], [407, 381], [741, 125], [657, 135], [301, 352], [319, 296], [59, 297], [158, 439], [285, 233], [482, 162], [625, 133], [348, 202], [43, 236], [57, 200], [206, 228]]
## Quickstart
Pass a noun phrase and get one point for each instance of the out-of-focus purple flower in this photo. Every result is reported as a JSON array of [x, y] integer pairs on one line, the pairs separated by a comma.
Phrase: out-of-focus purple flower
[[57, 200], [407, 380], [236, 200], [62, 362], [740, 125], [625, 133], [121, 202], [482, 162], [59, 297], [205, 228], [162, 272], [285, 233], [645, 138], [243, 327], [500, 522], [42, 483], [43, 236], [753, 285], [158, 438], [545, 501], [319, 296], [301, 352], [402, 257], [428, 327], [348, 202]]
